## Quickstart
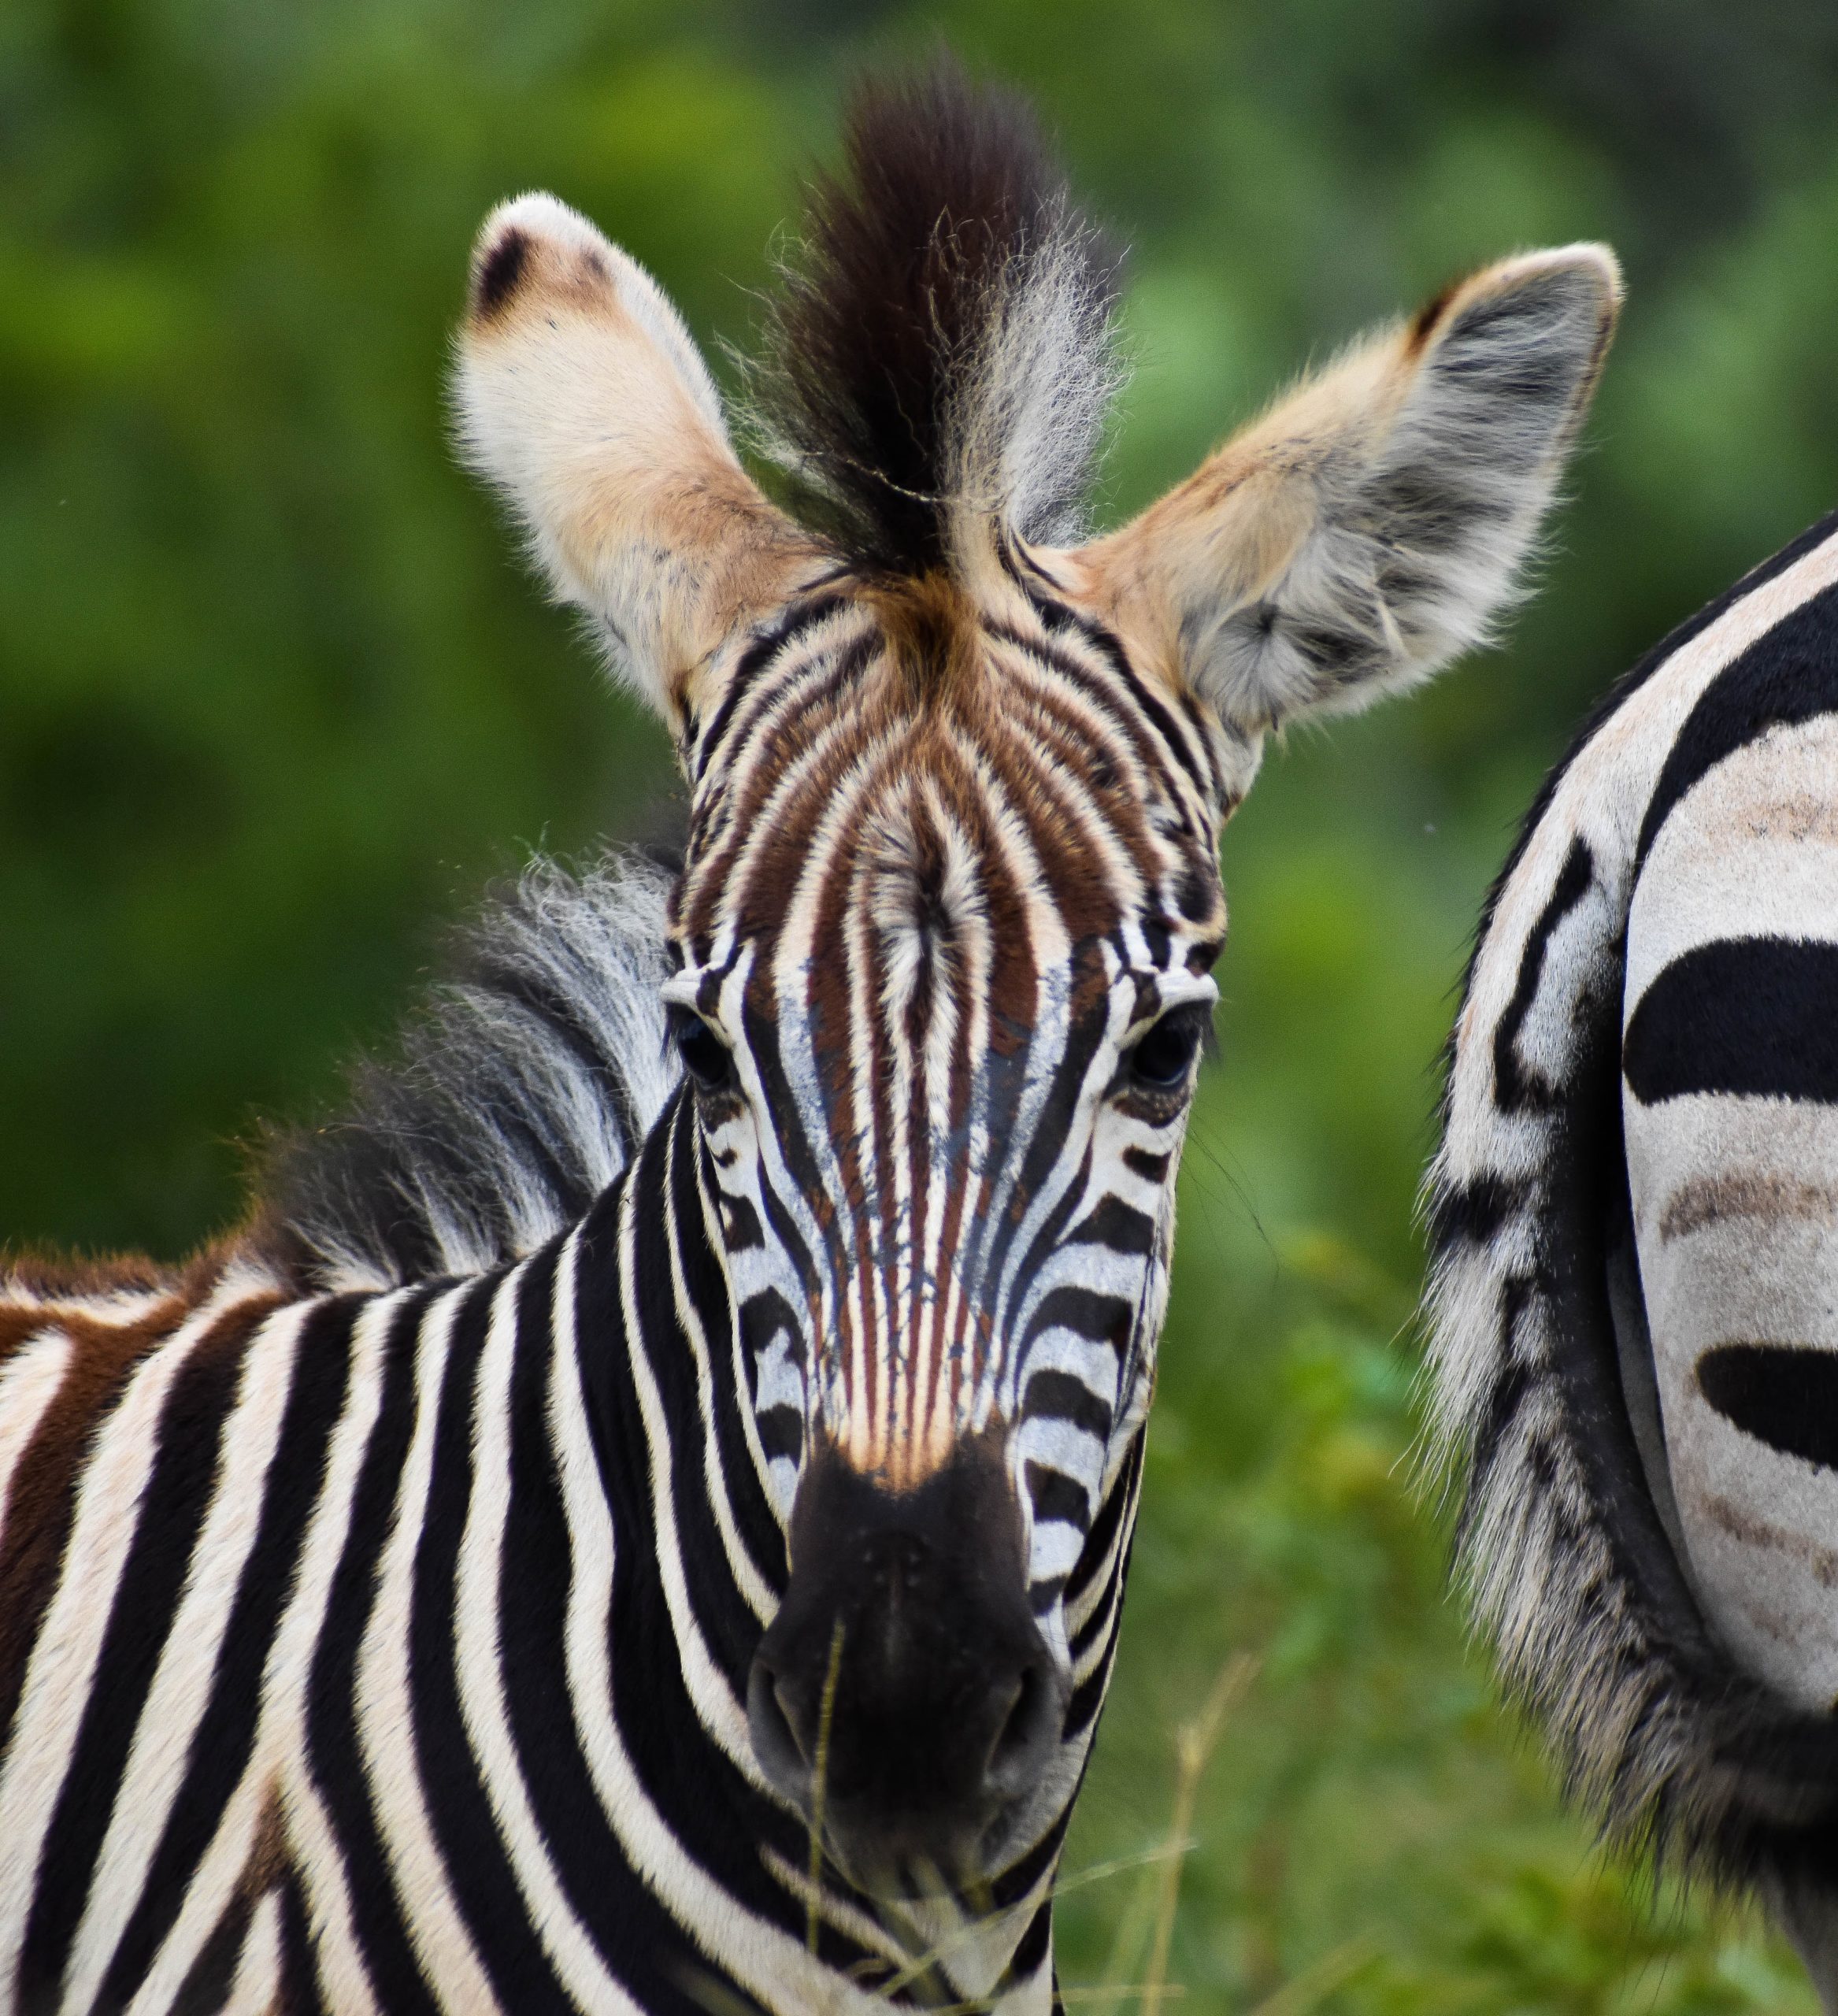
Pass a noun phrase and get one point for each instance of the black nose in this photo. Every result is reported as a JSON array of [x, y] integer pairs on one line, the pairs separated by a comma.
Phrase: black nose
[[907, 1614]]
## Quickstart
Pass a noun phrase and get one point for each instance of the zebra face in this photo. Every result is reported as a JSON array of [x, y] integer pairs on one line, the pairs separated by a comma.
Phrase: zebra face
[[950, 903], [944, 944]]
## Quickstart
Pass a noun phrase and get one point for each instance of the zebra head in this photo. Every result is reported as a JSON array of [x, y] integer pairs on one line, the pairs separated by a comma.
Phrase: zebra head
[[944, 935]]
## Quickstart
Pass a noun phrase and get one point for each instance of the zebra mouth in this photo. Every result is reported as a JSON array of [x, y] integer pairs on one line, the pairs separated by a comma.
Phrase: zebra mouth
[[904, 1699]]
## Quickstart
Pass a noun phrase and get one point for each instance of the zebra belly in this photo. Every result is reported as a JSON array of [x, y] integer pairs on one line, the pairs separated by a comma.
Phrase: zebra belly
[[1730, 1106]]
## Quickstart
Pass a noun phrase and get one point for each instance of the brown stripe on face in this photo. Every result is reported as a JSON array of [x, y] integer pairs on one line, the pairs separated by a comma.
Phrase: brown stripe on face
[[893, 951], [843, 972], [1122, 758], [1012, 981], [1710, 1200], [1123, 781], [932, 747], [41, 1494], [728, 816], [1059, 805]]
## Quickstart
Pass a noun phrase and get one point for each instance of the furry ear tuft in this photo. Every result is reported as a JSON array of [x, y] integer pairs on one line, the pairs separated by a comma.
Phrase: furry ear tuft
[[1373, 524], [580, 397], [938, 361]]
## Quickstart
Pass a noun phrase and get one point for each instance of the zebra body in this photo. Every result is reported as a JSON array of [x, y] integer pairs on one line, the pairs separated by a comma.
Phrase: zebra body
[[399, 1660], [1635, 1211], [637, 1519]]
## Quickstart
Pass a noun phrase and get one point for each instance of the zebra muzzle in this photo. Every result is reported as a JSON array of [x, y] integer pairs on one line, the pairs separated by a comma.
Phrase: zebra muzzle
[[904, 1696]]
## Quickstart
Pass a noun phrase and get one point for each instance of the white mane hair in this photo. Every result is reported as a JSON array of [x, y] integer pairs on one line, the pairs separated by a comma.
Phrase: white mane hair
[[522, 1087]]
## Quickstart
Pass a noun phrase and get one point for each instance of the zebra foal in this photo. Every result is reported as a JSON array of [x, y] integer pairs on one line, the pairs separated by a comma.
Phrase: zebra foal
[[1634, 1307], [725, 1339]]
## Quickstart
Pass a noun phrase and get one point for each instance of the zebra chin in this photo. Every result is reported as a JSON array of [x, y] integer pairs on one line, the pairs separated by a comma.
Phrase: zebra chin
[[904, 1698]]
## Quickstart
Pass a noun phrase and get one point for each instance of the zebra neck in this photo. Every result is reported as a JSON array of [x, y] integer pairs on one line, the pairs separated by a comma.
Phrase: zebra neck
[[655, 1335], [604, 1630], [698, 1570]]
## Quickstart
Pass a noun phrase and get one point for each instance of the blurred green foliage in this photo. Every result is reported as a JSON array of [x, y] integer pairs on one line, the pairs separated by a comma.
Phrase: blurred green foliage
[[276, 698]]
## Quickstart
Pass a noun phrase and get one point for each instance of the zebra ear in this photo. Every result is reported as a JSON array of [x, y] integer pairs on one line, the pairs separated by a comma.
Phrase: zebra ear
[[1372, 523], [580, 397]]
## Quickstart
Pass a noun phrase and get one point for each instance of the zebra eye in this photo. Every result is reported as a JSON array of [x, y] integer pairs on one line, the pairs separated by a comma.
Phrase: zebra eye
[[1165, 1054], [708, 1061]]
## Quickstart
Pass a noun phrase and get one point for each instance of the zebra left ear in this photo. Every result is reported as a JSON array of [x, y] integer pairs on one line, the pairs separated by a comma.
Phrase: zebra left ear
[[580, 397], [1371, 525]]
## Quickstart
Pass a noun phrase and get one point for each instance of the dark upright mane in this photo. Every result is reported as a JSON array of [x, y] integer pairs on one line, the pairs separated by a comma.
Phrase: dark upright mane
[[941, 349]]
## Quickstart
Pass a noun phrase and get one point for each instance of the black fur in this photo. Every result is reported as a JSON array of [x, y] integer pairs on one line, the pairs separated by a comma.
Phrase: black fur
[[879, 341], [1784, 1394], [1787, 678], [1624, 689], [502, 274], [1753, 1016]]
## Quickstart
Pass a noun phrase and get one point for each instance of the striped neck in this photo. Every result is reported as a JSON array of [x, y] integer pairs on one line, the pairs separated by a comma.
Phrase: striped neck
[[644, 1330]]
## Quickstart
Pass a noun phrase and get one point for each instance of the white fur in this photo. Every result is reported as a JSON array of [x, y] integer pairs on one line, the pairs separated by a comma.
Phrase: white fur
[[583, 401], [1751, 850], [67, 1642], [1373, 524], [165, 1737]]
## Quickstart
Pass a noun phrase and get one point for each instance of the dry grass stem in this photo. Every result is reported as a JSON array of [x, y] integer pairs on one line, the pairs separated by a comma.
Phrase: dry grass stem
[[1067, 1996], [1171, 1992], [1193, 1744], [1100, 1871], [922, 1963], [715, 1996], [820, 1774]]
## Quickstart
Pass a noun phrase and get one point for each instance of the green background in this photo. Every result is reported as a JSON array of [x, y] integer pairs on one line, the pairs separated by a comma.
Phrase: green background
[[275, 699]]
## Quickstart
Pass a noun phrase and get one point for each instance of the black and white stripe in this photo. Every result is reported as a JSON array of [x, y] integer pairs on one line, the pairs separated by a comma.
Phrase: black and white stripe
[[740, 1301], [1635, 1213], [399, 1654]]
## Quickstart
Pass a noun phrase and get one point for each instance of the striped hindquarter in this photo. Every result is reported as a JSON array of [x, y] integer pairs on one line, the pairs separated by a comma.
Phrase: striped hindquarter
[[1634, 1303], [389, 1652]]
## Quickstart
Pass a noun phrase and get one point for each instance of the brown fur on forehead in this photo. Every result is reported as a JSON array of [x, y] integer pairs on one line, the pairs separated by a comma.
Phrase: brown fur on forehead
[[1083, 818], [905, 881], [952, 696], [934, 633]]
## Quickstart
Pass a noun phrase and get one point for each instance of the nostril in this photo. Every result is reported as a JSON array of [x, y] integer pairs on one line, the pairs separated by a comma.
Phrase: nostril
[[788, 1717], [1018, 1741], [773, 1723], [1013, 1736]]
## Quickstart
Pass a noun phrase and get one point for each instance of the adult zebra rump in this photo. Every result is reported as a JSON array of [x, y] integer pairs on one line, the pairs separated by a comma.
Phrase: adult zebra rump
[[441, 1597], [1635, 1211]]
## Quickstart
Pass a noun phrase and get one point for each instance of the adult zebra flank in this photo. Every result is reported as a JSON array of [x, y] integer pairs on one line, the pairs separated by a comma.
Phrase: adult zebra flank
[[1635, 1216], [637, 1518]]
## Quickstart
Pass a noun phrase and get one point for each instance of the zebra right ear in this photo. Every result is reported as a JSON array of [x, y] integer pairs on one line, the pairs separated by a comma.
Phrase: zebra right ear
[[1373, 524], [581, 398]]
